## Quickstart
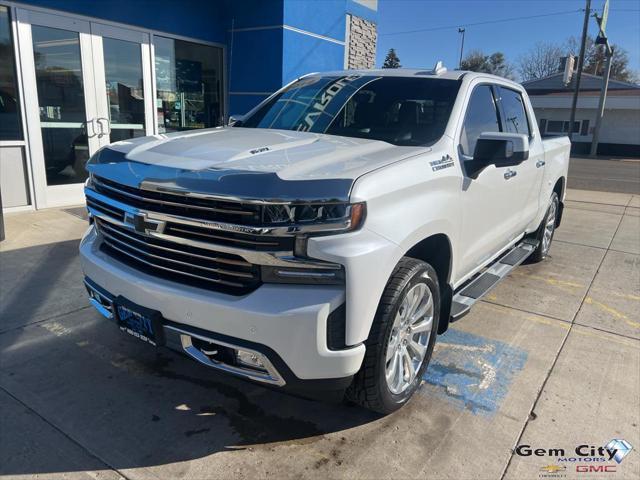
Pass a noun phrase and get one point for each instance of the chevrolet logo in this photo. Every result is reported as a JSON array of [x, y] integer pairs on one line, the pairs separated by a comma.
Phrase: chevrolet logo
[[141, 224], [553, 468]]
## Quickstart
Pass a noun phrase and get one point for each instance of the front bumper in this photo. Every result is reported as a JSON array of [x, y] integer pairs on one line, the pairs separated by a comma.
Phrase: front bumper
[[286, 323]]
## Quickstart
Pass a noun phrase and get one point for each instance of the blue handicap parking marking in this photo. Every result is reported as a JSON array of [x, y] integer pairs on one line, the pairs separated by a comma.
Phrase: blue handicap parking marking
[[473, 372]]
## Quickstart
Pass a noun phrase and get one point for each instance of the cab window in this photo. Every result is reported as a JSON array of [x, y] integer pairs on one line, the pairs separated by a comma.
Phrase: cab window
[[481, 116], [515, 117]]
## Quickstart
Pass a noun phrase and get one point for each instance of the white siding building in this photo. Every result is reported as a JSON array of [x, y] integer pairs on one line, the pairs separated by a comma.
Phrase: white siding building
[[620, 132]]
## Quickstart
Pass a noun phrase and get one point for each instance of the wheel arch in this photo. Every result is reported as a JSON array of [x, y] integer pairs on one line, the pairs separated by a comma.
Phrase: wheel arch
[[436, 250]]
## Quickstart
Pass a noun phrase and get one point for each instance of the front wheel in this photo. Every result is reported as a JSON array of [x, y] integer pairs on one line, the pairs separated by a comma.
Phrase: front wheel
[[401, 340], [545, 232]]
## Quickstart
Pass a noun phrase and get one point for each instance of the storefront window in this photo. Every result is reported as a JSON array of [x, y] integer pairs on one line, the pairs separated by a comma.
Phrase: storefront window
[[10, 128], [188, 84]]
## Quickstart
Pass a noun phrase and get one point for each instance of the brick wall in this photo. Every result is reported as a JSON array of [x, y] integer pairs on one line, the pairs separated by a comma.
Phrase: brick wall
[[362, 40]]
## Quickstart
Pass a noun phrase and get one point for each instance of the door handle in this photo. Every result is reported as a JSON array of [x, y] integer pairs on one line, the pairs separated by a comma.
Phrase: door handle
[[509, 174], [104, 131], [540, 163], [85, 128]]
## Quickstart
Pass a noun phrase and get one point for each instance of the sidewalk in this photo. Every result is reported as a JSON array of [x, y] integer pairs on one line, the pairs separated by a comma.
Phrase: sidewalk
[[551, 358]]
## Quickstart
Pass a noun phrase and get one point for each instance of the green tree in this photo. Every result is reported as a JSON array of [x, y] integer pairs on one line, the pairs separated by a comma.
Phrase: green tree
[[495, 64], [391, 60]]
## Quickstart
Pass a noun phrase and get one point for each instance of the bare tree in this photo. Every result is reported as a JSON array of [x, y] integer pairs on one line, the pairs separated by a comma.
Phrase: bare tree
[[544, 59], [541, 61], [594, 60]]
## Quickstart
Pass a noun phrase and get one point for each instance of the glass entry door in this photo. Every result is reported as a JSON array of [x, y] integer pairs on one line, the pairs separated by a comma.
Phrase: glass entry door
[[86, 85], [123, 83]]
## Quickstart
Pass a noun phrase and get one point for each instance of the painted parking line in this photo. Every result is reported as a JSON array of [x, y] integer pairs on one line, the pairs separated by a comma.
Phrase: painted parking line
[[473, 372]]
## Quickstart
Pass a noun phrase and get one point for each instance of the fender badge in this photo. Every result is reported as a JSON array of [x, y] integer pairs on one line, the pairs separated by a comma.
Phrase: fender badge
[[445, 162]]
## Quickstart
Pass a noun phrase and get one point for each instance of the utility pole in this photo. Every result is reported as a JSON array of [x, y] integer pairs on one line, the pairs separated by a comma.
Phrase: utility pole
[[608, 51], [461, 30], [574, 103]]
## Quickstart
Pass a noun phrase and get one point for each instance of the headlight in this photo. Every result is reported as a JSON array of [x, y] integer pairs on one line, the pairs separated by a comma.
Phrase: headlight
[[308, 220], [315, 219]]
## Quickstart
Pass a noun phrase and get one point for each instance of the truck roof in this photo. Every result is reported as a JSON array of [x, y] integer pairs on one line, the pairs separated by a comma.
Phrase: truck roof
[[415, 72]]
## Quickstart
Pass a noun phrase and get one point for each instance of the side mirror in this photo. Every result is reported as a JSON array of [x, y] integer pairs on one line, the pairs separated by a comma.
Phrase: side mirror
[[235, 120], [501, 149]]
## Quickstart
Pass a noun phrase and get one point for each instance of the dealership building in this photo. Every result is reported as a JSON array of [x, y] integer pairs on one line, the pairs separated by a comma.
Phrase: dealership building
[[76, 75]]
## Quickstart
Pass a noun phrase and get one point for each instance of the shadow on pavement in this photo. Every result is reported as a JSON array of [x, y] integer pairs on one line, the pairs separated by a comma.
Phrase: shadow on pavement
[[127, 403], [39, 282]]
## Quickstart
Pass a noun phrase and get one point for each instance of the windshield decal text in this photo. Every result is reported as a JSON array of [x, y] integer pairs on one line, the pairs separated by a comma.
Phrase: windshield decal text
[[321, 104]]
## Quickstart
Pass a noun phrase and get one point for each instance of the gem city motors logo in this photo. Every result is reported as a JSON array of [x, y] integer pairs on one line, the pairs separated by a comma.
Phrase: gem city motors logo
[[588, 458]]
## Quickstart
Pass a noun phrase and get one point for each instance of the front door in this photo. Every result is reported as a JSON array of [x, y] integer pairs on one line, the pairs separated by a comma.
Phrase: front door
[[86, 85], [492, 202]]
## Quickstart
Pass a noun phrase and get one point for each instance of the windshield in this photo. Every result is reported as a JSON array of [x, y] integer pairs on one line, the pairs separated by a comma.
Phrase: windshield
[[399, 110]]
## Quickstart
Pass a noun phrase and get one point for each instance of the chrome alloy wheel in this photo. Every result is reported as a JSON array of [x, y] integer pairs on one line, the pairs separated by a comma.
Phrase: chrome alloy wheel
[[549, 227], [409, 339]]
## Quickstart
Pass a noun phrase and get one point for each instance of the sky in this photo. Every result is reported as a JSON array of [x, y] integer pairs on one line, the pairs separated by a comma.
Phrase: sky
[[513, 38]]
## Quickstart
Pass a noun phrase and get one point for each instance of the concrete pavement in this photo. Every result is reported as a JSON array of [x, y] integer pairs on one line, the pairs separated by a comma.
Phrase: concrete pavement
[[550, 359]]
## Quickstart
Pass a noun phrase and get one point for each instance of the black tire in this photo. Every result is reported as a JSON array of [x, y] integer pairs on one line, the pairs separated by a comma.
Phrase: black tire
[[369, 388], [541, 252]]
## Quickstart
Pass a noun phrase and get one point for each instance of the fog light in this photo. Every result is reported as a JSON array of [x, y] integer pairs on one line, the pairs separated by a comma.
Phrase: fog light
[[250, 359]]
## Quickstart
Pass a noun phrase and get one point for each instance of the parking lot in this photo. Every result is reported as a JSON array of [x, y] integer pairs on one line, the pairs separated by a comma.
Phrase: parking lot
[[550, 359]]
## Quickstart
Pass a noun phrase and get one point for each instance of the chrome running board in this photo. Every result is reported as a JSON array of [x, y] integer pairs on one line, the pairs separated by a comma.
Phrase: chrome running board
[[482, 284]]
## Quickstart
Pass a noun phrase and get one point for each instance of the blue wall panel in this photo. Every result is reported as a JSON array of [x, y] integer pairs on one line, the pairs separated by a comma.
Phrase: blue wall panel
[[241, 104], [191, 18], [304, 54], [326, 17], [256, 61], [255, 13]]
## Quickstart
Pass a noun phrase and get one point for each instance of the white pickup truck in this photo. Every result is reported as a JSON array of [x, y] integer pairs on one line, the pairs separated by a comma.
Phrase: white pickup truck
[[321, 242]]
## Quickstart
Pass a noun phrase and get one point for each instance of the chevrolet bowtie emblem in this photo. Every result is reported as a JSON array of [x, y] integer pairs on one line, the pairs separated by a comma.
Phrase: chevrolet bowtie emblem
[[142, 224], [553, 468]]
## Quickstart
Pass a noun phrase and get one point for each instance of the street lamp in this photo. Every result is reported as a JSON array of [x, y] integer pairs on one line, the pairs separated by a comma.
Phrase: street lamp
[[461, 30]]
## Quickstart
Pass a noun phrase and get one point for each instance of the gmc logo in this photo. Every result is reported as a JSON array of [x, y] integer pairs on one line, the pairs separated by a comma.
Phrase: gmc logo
[[595, 468]]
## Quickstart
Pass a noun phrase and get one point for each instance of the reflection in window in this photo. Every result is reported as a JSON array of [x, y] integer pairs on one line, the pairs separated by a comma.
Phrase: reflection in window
[[188, 84], [481, 117], [61, 101], [514, 113], [125, 92], [10, 128]]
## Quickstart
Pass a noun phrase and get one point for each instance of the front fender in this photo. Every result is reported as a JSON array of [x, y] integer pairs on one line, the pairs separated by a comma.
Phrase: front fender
[[368, 259]]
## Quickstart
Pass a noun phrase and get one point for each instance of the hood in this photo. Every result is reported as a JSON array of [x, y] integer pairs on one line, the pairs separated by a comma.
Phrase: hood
[[247, 162]]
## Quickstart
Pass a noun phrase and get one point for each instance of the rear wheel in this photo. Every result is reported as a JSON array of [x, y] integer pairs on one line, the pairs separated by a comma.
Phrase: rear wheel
[[545, 232], [401, 340]]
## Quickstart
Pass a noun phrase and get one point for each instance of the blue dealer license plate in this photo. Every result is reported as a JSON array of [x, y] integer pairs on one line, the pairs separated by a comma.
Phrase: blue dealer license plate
[[140, 322]]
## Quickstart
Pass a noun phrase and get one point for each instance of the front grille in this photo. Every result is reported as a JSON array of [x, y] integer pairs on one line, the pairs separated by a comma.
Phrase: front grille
[[203, 234], [186, 264], [181, 205]]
